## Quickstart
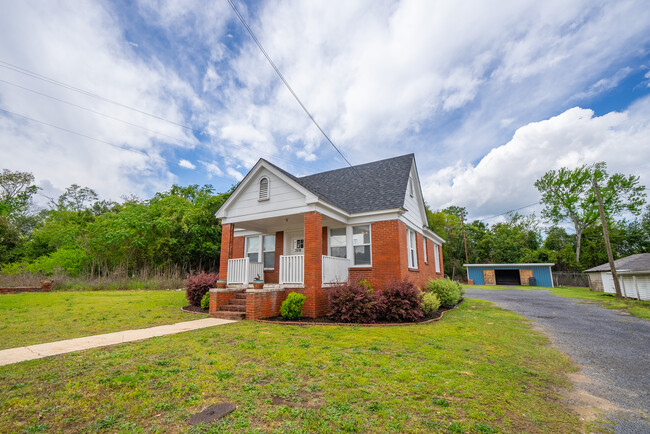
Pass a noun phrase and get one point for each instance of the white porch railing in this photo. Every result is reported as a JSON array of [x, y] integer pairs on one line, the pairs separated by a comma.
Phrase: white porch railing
[[335, 270], [242, 271], [292, 269]]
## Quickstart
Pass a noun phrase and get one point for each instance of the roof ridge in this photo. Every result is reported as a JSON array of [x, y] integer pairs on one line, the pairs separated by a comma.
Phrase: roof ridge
[[358, 165]]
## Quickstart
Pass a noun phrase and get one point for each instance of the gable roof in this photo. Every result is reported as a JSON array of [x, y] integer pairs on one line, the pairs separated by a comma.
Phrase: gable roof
[[638, 262], [364, 188]]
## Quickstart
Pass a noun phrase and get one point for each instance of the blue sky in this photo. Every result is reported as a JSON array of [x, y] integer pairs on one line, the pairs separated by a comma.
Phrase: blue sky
[[488, 98]]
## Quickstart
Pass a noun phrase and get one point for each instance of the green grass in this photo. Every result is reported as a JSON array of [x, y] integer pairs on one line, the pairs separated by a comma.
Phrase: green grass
[[32, 318], [481, 369], [637, 308]]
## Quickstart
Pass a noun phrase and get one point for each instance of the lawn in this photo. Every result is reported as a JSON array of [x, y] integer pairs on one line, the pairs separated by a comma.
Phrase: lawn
[[33, 318], [480, 369], [637, 308]]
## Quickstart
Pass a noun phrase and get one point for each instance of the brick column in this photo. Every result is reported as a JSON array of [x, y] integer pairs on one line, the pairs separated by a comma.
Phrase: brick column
[[227, 232], [316, 301]]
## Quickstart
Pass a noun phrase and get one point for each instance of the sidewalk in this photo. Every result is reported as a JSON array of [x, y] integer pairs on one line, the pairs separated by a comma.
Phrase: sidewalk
[[15, 355]]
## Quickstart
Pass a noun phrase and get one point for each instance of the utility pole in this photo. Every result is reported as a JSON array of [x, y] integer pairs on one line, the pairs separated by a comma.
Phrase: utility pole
[[612, 267], [462, 222]]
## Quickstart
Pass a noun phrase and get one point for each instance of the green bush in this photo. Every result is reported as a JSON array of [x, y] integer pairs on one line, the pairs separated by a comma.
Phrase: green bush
[[205, 301], [291, 308], [448, 291], [430, 303]]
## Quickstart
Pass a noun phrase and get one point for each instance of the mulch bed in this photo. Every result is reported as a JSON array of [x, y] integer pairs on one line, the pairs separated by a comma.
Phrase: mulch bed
[[304, 321], [194, 309]]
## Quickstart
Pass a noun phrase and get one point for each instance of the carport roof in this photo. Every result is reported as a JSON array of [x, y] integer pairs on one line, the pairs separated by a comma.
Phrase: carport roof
[[549, 264], [638, 262]]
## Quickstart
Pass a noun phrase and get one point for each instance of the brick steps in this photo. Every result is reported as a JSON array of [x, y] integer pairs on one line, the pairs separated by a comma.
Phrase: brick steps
[[235, 309]]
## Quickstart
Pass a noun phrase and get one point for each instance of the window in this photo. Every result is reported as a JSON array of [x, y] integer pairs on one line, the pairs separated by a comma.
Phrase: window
[[436, 256], [264, 189], [338, 243], [411, 249], [253, 248], [410, 186], [268, 250], [361, 245], [424, 244], [261, 248]]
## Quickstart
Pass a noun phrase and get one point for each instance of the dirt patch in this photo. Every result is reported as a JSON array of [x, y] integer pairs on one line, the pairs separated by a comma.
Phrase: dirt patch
[[212, 413], [194, 309], [588, 406]]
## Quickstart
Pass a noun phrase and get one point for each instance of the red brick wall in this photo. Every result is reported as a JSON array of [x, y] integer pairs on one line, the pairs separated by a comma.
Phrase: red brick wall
[[325, 236], [390, 260], [267, 304], [316, 302], [219, 299], [226, 249], [238, 247]]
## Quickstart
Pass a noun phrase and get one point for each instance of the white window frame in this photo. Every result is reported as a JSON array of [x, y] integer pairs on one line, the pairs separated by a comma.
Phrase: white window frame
[[424, 245], [351, 246], [329, 241], [436, 256], [411, 248], [261, 198], [260, 251]]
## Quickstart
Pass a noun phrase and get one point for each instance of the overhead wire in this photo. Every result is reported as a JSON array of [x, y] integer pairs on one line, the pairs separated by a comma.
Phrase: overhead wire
[[507, 212], [286, 83]]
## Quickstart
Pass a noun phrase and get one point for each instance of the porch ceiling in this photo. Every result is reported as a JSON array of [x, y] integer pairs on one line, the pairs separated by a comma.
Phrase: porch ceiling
[[285, 223]]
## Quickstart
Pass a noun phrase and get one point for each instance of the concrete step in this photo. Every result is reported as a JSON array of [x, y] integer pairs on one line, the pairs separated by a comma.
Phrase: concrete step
[[233, 307], [221, 314]]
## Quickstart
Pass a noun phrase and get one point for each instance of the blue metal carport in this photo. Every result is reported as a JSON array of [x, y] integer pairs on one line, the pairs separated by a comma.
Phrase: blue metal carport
[[507, 274]]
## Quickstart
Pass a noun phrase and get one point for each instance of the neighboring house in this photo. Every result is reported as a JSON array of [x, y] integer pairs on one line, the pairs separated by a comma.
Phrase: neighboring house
[[304, 234], [510, 274], [633, 276]]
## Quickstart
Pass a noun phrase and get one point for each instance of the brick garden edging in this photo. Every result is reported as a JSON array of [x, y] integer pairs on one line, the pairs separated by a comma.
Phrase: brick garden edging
[[399, 324], [46, 286]]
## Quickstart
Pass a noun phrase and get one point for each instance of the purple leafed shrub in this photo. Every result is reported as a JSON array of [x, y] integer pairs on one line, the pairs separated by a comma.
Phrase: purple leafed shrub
[[355, 303], [196, 286], [402, 302]]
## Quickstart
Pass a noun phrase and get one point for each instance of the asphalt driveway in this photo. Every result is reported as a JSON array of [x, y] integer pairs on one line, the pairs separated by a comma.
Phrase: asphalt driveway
[[612, 348]]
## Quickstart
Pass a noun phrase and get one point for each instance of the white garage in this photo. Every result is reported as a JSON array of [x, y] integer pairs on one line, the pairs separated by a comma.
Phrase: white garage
[[633, 276]]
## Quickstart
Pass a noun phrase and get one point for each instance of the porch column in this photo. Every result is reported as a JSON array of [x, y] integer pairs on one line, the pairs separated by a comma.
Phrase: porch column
[[227, 232], [316, 299]]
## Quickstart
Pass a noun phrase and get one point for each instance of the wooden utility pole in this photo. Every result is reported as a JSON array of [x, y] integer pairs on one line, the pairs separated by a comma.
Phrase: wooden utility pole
[[612, 267], [462, 222]]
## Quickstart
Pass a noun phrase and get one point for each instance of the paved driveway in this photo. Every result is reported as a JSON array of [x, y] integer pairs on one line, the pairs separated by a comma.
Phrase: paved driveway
[[613, 349]]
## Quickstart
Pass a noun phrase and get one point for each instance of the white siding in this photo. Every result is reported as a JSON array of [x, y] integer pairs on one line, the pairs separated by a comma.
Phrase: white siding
[[608, 283], [281, 197], [629, 285], [643, 284], [413, 205]]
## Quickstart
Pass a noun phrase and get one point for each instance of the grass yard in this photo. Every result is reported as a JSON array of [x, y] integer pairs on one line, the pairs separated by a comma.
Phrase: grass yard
[[481, 369], [34, 318], [637, 308]]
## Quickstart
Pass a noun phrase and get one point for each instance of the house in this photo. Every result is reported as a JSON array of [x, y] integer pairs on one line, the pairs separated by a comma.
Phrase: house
[[510, 274], [305, 234], [633, 276]]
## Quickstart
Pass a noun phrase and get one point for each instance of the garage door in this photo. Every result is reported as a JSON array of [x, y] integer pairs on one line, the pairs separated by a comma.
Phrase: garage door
[[608, 283]]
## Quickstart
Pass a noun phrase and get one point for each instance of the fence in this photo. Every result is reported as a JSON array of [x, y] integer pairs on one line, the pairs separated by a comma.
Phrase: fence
[[570, 279]]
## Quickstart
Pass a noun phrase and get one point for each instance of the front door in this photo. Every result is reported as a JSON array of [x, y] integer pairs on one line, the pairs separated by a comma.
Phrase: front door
[[296, 243]]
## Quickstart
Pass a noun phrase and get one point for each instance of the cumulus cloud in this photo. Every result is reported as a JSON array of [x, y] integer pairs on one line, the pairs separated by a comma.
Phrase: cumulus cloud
[[186, 164], [212, 169], [504, 178]]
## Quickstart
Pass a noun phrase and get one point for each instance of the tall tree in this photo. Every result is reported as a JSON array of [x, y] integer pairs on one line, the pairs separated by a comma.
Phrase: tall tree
[[567, 195]]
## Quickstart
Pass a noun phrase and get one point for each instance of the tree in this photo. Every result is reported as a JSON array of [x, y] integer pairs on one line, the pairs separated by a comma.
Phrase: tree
[[567, 195], [16, 220], [77, 198]]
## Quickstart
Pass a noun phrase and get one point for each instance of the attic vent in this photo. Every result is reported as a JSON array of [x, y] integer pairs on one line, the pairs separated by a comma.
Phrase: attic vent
[[410, 186], [264, 189]]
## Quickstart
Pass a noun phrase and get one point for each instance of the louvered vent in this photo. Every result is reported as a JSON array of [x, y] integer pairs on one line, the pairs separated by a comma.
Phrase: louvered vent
[[264, 189]]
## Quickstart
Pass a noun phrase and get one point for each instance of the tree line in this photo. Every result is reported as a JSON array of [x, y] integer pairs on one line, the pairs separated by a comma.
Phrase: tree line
[[81, 235]]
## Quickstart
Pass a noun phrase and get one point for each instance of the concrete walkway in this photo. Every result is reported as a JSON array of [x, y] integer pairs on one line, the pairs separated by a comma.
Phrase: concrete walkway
[[15, 355]]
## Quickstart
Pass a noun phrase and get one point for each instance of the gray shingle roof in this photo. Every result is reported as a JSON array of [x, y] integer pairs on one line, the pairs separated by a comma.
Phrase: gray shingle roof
[[363, 188], [638, 262]]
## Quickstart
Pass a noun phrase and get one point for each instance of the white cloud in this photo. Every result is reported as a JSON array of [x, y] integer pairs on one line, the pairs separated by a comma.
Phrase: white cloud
[[504, 178], [212, 169], [186, 164], [234, 173]]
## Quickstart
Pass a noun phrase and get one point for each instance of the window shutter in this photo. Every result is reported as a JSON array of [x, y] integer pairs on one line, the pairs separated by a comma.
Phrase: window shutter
[[264, 189]]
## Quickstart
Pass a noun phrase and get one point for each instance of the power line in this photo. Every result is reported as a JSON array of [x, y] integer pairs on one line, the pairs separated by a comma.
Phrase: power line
[[507, 212], [250, 32], [66, 86]]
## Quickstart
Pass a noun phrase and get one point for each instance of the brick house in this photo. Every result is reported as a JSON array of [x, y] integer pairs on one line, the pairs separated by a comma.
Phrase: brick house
[[304, 234]]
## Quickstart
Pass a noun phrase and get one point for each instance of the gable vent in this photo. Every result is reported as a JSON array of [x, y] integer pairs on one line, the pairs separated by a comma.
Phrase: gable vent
[[264, 189]]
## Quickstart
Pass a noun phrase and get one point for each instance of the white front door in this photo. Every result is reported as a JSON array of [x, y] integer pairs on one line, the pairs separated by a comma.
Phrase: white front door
[[296, 243]]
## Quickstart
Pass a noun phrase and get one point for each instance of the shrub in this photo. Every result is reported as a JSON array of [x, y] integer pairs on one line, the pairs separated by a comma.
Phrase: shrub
[[448, 291], [205, 301], [430, 303], [402, 302], [196, 286], [355, 303], [291, 308]]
